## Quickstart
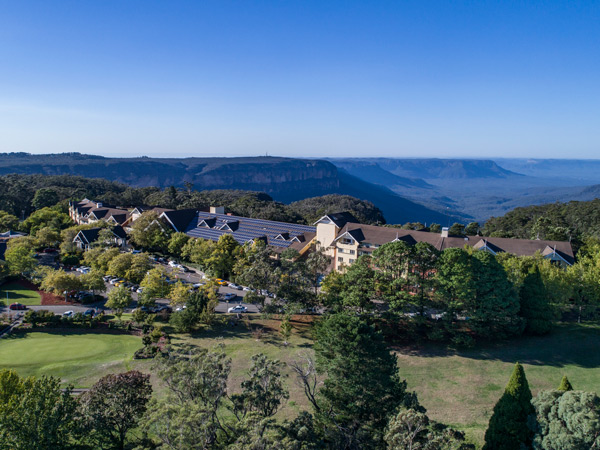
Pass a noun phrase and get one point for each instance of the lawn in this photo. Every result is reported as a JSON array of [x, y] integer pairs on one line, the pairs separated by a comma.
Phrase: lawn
[[462, 387], [79, 358], [240, 344], [19, 294], [457, 387]]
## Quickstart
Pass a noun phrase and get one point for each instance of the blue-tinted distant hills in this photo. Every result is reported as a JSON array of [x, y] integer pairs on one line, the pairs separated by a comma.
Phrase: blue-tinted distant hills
[[405, 189], [479, 189]]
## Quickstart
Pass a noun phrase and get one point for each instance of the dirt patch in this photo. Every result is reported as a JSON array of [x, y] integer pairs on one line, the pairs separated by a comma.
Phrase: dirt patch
[[48, 299]]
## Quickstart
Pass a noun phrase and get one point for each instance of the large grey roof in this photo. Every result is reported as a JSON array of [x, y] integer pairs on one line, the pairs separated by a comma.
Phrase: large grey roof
[[244, 229]]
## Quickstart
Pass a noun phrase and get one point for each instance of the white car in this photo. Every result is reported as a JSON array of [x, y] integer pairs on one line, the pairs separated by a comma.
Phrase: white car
[[172, 263], [237, 309], [235, 286], [67, 313]]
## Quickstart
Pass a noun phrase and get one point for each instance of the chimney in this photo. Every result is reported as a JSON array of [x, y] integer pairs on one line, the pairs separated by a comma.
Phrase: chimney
[[217, 210], [445, 232]]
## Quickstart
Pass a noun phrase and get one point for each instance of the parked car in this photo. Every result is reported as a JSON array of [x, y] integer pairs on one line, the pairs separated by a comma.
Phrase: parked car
[[172, 263], [160, 308], [237, 309], [68, 313], [221, 282], [106, 278], [229, 296], [235, 286], [139, 290], [89, 312], [17, 306]]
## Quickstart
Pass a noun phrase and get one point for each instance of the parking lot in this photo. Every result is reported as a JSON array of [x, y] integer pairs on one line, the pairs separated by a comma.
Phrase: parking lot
[[192, 277]]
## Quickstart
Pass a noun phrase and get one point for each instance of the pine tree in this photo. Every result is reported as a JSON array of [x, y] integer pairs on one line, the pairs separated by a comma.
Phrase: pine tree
[[508, 425], [565, 384], [534, 304]]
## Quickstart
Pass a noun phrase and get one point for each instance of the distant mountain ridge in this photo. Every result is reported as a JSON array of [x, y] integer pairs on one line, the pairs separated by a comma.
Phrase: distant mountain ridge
[[432, 168], [284, 179]]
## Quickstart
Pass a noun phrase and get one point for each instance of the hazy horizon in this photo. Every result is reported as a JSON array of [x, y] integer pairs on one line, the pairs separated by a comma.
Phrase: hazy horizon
[[301, 79]]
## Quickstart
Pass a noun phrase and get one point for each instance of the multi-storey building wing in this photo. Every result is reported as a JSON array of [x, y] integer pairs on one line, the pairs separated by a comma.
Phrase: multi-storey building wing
[[345, 240]]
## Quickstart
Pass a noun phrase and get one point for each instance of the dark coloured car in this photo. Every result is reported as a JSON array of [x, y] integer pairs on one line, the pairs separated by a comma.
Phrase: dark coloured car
[[17, 307], [89, 312]]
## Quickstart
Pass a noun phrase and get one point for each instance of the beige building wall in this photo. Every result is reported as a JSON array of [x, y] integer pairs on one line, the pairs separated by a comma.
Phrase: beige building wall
[[326, 233], [345, 254]]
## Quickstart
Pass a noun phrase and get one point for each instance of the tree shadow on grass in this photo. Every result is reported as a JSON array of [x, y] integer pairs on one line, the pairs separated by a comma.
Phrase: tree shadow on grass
[[67, 332], [567, 344]]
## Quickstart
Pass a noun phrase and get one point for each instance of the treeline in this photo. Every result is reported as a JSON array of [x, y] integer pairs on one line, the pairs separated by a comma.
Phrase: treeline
[[555, 221], [20, 195], [462, 294]]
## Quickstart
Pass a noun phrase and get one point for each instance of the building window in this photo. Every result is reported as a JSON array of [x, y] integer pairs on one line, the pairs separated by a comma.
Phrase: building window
[[352, 252], [348, 241], [351, 260], [340, 259], [341, 250]]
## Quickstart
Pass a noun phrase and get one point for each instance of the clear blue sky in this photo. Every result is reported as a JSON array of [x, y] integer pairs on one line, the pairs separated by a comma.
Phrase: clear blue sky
[[301, 78]]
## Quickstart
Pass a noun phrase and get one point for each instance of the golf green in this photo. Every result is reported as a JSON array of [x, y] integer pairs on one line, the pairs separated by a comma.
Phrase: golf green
[[78, 358]]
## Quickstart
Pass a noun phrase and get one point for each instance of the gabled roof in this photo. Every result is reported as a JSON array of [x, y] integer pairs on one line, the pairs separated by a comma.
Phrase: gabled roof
[[355, 234], [375, 235], [484, 244], [245, 229], [339, 219], [179, 219], [554, 254], [208, 222], [230, 225], [91, 235]]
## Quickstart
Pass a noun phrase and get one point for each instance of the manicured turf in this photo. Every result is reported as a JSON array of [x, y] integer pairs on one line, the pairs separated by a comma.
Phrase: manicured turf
[[78, 358], [19, 294]]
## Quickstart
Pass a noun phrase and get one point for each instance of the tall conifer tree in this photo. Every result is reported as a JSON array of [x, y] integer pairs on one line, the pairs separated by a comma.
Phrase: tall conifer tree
[[508, 425]]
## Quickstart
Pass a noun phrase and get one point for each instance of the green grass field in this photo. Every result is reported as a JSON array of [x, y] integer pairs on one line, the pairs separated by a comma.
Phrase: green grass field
[[78, 358], [19, 294], [457, 387], [462, 387]]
